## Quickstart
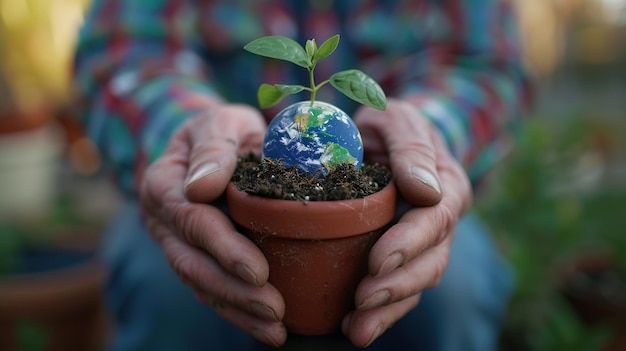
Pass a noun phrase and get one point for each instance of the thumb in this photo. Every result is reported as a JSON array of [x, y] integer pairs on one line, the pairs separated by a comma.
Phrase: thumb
[[216, 139], [411, 149]]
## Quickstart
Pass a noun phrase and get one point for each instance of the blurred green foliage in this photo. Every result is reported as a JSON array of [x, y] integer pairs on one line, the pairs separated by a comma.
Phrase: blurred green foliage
[[31, 336], [549, 205], [15, 236]]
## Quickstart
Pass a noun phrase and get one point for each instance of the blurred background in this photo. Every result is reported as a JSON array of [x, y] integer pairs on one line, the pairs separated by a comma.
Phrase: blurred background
[[556, 204], [54, 200]]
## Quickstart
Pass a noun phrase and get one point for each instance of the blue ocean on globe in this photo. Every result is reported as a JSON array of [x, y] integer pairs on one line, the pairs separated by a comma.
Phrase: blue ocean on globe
[[316, 138]]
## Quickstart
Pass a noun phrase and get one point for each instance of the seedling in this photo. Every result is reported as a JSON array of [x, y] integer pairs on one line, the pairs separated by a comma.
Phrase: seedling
[[353, 83]]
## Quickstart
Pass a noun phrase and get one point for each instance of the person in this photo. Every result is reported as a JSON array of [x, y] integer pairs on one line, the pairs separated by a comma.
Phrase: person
[[168, 94]]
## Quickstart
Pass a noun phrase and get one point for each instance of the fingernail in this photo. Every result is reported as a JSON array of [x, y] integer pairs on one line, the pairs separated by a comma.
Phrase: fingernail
[[204, 171], [377, 299], [375, 335], [263, 311], [264, 337], [426, 177], [392, 262], [245, 273]]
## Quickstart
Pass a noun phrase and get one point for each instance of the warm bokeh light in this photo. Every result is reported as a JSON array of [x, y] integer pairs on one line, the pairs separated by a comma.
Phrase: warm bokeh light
[[36, 40], [615, 11], [592, 27]]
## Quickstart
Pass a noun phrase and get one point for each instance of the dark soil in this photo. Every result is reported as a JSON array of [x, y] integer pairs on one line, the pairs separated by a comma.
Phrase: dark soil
[[272, 179]]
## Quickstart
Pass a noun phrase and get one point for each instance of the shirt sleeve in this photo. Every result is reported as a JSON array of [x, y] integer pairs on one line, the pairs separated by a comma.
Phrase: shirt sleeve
[[470, 81], [137, 81]]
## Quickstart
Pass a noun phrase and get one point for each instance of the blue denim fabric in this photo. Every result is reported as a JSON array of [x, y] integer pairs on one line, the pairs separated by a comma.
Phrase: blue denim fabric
[[154, 311]]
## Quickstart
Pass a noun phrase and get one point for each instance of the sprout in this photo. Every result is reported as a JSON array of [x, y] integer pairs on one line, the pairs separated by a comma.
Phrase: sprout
[[353, 83]]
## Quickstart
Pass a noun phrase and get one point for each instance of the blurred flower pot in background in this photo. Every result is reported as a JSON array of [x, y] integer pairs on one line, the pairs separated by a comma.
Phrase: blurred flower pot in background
[[30, 157], [36, 41], [51, 293], [50, 275]]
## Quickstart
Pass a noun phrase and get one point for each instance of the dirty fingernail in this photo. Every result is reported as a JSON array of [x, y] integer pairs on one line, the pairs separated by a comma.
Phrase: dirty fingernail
[[392, 262], [204, 171], [245, 273], [377, 299], [375, 335], [264, 337], [426, 177], [263, 311]]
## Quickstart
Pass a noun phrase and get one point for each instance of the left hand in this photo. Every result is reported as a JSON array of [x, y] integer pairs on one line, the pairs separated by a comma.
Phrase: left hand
[[180, 198], [413, 254]]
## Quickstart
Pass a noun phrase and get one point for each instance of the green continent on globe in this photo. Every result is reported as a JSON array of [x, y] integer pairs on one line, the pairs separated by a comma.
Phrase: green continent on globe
[[315, 117], [335, 154]]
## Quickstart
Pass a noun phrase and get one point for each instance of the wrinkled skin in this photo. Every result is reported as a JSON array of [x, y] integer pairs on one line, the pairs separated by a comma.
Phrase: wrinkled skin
[[179, 196]]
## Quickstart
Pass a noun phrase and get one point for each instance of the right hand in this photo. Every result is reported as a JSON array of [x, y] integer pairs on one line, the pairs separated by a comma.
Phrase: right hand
[[178, 196]]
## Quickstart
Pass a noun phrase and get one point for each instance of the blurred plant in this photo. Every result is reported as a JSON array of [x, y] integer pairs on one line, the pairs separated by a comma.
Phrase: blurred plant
[[31, 336], [548, 208], [16, 237], [11, 242]]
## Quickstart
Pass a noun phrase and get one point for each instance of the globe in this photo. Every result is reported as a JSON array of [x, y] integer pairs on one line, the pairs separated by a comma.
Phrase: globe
[[315, 138]]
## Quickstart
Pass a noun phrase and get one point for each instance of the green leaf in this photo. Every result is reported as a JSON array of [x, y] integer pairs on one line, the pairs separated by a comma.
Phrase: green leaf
[[289, 89], [311, 48], [327, 48], [279, 47], [269, 95], [359, 87]]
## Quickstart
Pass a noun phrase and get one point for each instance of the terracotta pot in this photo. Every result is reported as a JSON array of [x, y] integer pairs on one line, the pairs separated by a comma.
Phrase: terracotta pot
[[595, 286], [14, 121], [317, 251], [62, 300]]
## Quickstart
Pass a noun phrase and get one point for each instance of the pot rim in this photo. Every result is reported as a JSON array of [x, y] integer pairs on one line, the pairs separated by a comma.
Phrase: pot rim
[[313, 220]]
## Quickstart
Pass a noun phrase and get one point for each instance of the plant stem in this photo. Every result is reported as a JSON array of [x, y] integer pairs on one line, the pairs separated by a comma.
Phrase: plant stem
[[322, 84], [313, 87]]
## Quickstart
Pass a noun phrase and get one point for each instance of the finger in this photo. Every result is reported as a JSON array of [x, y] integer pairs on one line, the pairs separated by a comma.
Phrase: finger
[[416, 232], [272, 333], [256, 310], [202, 272], [364, 327], [454, 175], [206, 227], [207, 276], [162, 181], [216, 140], [421, 273], [420, 229], [407, 137], [199, 225]]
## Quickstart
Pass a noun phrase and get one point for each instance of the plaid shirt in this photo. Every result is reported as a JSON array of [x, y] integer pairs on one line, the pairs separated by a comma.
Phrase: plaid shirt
[[143, 67]]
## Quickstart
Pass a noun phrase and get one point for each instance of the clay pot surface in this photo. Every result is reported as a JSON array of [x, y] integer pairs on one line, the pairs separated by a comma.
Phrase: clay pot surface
[[317, 251], [65, 303]]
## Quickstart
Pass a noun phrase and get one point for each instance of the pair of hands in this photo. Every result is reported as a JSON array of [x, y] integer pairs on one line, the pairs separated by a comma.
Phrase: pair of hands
[[228, 272]]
